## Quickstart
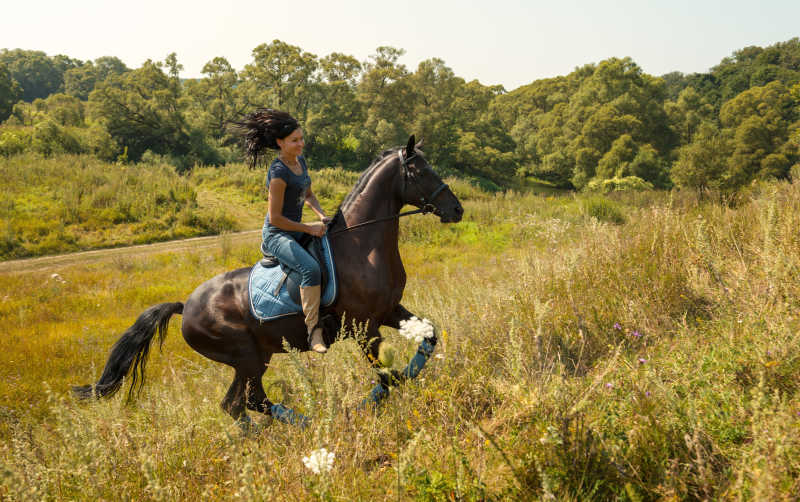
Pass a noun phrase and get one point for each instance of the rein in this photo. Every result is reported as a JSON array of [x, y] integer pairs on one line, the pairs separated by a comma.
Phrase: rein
[[426, 208]]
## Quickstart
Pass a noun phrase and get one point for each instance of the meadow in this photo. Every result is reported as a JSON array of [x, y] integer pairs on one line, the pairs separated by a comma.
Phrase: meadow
[[637, 346], [68, 203]]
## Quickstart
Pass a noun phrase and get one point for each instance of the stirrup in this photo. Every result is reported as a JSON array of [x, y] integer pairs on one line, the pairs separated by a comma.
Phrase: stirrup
[[269, 261]]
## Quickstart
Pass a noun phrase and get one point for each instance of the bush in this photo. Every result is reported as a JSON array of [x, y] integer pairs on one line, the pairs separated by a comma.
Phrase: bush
[[14, 141], [49, 138], [603, 209], [626, 184]]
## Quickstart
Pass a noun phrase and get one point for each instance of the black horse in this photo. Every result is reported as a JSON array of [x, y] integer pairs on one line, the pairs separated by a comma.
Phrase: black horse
[[217, 321]]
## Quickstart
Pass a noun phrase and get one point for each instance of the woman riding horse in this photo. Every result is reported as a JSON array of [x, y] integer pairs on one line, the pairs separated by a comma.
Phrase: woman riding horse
[[217, 318], [289, 187]]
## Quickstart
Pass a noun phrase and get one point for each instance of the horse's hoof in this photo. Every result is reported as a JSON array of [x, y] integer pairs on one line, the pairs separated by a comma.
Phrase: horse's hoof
[[246, 425]]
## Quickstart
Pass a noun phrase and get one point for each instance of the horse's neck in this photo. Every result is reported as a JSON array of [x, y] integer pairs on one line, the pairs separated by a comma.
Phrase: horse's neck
[[378, 199]]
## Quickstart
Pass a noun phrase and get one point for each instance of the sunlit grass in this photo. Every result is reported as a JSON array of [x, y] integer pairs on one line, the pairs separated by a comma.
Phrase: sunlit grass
[[580, 358]]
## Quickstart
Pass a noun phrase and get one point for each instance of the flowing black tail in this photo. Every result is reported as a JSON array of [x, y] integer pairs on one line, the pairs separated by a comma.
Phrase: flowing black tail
[[130, 351]]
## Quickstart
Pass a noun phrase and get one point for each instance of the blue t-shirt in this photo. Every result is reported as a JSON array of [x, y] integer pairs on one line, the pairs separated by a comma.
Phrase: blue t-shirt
[[296, 187]]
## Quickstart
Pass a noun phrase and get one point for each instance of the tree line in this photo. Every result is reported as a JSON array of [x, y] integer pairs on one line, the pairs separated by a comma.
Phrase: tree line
[[604, 126]]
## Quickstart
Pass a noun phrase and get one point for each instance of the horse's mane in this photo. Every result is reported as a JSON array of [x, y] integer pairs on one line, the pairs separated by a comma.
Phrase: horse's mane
[[363, 180]]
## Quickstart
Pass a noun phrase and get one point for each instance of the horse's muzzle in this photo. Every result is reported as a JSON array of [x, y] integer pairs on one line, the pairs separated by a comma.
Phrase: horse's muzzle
[[453, 215]]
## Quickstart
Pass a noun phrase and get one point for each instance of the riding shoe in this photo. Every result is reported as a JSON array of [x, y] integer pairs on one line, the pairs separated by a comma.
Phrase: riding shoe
[[310, 298]]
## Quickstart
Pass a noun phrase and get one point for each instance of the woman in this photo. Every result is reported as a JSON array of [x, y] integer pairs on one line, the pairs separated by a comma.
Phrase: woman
[[289, 187]]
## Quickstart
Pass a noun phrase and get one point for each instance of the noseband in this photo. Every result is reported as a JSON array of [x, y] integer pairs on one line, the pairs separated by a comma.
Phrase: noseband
[[427, 206]]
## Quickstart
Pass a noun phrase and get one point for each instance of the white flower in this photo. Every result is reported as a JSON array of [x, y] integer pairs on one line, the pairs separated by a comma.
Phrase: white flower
[[319, 460], [416, 329]]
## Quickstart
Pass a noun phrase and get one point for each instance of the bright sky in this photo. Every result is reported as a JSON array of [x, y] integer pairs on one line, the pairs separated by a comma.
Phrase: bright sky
[[508, 42]]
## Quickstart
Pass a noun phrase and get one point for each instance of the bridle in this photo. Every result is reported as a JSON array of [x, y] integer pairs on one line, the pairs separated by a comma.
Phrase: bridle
[[427, 202]]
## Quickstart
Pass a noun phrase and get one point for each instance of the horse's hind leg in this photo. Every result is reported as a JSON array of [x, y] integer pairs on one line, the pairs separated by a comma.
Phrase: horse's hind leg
[[246, 390], [233, 403]]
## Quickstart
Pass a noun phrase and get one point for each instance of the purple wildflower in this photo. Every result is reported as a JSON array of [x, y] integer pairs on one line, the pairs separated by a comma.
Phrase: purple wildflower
[[647, 394], [636, 334], [609, 385], [617, 326], [642, 360]]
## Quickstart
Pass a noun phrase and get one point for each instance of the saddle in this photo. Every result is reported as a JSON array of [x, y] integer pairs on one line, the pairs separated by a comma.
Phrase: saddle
[[275, 289], [313, 245]]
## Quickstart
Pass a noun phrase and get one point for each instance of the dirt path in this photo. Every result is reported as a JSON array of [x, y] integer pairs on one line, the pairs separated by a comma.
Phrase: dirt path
[[45, 263]]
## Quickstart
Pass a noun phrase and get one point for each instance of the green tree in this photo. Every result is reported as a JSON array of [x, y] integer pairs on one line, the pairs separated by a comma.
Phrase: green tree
[[703, 163], [387, 98], [214, 99], [760, 120], [336, 114], [37, 74], [62, 109], [687, 113], [571, 124], [81, 80], [10, 92], [141, 109], [282, 76]]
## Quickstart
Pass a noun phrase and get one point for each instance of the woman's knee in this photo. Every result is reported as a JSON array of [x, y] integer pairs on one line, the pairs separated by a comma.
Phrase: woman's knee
[[312, 276]]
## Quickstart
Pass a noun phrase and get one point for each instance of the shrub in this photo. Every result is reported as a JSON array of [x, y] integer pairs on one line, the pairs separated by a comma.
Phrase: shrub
[[628, 183], [603, 209], [14, 141]]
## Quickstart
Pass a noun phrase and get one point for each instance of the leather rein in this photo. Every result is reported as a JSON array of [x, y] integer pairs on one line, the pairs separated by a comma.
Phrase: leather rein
[[427, 202]]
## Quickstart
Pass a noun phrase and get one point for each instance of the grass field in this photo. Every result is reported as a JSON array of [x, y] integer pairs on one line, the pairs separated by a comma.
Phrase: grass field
[[636, 347]]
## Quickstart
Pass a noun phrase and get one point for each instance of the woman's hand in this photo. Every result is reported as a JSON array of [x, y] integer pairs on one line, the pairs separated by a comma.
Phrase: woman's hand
[[326, 219], [317, 228]]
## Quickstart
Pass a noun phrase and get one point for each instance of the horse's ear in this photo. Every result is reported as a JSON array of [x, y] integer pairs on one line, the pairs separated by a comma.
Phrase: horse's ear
[[419, 144], [410, 146]]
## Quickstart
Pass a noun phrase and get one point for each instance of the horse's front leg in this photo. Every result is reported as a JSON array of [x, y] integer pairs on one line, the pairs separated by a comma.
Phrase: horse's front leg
[[414, 366], [425, 349]]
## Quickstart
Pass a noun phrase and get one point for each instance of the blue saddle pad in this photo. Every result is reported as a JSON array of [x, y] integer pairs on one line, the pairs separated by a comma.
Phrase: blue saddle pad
[[269, 297]]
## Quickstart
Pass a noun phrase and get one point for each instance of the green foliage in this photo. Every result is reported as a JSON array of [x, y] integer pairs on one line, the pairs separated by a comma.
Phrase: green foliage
[[14, 140], [624, 184], [603, 121], [590, 124], [10, 92], [216, 99], [142, 110], [604, 209], [282, 76], [69, 202], [37, 74], [703, 163], [754, 141]]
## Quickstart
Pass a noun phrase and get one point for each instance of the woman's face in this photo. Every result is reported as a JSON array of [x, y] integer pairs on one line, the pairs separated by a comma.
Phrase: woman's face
[[292, 145]]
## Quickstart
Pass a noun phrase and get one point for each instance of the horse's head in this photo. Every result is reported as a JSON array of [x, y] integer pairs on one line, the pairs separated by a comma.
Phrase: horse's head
[[424, 188]]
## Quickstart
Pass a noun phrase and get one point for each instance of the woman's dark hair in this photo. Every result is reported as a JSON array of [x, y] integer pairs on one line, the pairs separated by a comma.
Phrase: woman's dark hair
[[261, 128]]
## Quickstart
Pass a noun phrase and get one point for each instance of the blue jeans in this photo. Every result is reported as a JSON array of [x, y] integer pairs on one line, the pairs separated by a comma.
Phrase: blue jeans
[[283, 245]]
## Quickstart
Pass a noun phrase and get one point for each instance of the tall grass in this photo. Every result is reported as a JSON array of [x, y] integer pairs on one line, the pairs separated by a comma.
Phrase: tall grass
[[72, 202], [581, 358]]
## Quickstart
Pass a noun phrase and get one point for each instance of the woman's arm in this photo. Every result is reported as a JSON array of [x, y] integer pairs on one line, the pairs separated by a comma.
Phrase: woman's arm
[[277, 189], [313, 203]]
